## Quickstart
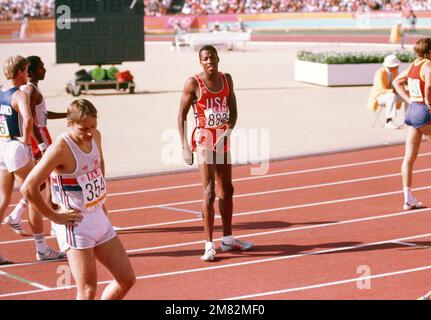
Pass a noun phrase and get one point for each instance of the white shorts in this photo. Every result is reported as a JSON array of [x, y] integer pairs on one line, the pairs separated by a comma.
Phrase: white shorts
[[14, 155], [93, 230]]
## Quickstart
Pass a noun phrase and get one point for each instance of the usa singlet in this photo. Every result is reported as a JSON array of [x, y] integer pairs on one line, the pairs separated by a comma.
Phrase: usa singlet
[[415, 81], [41, 121], [211, 112], [10, 119], [84, 189]]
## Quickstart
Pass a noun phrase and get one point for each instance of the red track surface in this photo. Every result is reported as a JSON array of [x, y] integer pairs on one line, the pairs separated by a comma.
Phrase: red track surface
[[317, 224]]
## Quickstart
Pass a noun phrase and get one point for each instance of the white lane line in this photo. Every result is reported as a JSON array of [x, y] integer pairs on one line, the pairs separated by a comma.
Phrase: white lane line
[[411, 244], [181, 210], [164, 205], [288, 173], [327, 284], [285, 230], [23, 280], [231, 265], [306, 205], [273, 191], [262, 177]]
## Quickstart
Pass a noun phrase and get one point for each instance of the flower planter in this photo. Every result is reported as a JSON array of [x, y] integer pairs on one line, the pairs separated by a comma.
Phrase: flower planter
[[337, 74]]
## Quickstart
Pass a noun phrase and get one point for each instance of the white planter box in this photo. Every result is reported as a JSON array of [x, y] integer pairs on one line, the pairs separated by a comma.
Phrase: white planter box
[[338, 74]]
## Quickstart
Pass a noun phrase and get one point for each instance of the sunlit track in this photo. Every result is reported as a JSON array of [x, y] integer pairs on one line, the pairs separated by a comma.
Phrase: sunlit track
[[258, 261], [263, 211], [328, 284], [170, 205], [249, 235], [288, 173], [355, 214]]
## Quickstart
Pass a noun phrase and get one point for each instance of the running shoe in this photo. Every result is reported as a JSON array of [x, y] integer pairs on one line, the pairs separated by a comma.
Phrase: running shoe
[[209, 255], [237, 245], [4, 261], [391, 125], [16, 227], [50, 255], [411, 206]]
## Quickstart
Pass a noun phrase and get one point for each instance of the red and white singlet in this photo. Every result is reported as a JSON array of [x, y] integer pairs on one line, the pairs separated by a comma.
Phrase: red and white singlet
[[211, 112], [41, 120], [415, 81]]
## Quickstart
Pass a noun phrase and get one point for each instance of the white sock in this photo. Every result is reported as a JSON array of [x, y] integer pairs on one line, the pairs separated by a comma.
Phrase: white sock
[[41, 245], [209, 245], [408, 195], [19, 210], [228, 239]]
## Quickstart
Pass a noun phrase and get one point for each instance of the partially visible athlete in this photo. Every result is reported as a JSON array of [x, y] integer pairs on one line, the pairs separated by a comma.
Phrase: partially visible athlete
[[16, 160], [76, 166], [212, 96], [40, 139]]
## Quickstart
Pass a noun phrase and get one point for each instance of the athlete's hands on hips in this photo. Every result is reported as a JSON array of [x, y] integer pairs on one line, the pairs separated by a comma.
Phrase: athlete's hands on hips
[[67, 217], [188, 155]]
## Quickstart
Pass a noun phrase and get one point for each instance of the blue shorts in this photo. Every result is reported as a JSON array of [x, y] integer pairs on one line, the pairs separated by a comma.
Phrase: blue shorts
[[417, 115]]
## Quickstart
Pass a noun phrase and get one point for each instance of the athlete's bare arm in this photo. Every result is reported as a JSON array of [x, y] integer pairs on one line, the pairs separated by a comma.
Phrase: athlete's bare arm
[[35, 98], [98, 138], [21, 103], [426, 72], [55, 158], [233, 112], [399, 84], [187, 97]]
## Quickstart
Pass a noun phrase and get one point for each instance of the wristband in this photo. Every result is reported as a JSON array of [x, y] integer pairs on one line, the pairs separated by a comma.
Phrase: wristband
[[42, 147]]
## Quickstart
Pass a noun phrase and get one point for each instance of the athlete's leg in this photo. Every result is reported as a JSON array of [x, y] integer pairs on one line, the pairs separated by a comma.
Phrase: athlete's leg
[[413, 141], [82, 263], [223, 174], [6, 188], [34, 218], [207, 174], [43, 251], [113, 256]]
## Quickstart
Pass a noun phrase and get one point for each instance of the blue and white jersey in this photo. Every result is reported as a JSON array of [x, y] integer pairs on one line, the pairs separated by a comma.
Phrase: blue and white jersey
[[10, 119]]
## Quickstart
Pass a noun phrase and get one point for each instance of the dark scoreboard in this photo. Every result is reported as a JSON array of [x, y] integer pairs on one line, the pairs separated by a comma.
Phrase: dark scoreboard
[[91, 32]]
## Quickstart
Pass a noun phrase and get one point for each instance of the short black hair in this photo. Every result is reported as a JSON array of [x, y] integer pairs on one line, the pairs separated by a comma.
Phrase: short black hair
[[34, 63], [208, 47]]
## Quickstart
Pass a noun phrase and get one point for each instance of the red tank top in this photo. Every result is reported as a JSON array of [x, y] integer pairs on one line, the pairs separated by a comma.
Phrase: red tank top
[[415, 81], [211, 110]]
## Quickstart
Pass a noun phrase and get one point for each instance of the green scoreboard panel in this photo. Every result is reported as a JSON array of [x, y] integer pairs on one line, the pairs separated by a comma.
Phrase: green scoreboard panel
[[91, 32]]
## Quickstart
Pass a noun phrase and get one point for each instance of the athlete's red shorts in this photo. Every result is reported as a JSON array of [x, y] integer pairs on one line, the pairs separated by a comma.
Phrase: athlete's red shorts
[[207, 137], [46, 137]]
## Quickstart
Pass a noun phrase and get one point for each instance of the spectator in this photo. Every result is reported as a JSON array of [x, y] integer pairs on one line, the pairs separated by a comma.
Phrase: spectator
[[411, 19], [382, 94], [397, 34], [41, 9]]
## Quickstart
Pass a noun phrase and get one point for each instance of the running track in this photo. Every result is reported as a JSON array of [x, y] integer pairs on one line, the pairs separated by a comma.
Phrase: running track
[[319, 224]]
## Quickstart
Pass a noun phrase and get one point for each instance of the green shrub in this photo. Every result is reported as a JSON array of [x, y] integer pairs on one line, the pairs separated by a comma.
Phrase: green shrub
[[332, 57]]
